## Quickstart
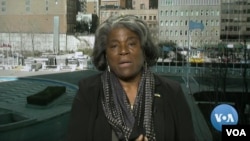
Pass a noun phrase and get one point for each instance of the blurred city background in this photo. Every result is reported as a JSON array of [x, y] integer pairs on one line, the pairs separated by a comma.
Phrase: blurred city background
[[203, 44]]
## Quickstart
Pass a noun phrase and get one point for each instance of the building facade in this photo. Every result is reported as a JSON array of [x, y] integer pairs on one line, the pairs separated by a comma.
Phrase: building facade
[[37, 16], [235, 20], [93, 7], [141, 8], [37, 24], [174, 18]]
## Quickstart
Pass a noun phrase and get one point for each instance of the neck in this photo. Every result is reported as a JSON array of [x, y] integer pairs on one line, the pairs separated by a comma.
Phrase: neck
[[131, 88], [130, 83]]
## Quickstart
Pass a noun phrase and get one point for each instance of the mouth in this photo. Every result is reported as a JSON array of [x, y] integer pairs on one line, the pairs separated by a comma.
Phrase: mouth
[[125, 63]]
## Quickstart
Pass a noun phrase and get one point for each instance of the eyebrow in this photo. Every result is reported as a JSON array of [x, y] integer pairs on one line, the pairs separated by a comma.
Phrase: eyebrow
[[129, 38]]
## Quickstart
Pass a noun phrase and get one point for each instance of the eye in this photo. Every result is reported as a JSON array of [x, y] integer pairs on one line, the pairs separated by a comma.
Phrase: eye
[[132, 43], [113, 46]]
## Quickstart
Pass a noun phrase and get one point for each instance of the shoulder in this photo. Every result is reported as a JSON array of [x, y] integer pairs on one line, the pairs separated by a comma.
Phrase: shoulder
[[90, 80], [90, 84], [89, 88], [168, 88], [171, 91], [163, 81]]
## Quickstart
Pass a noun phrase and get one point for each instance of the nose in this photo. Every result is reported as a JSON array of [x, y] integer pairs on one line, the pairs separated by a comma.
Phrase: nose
[[124, 50]]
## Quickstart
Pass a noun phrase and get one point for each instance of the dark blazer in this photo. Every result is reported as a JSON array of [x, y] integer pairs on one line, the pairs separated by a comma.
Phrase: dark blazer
[[172, 116]]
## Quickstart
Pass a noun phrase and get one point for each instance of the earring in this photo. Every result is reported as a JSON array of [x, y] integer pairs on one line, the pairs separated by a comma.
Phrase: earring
[[108, 67]]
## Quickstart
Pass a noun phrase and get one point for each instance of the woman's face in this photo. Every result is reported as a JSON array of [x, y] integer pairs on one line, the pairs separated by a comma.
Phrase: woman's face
[[124, 53]]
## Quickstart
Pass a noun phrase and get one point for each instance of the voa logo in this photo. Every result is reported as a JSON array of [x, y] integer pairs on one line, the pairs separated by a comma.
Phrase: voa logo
[[236, 132], [223, 114]]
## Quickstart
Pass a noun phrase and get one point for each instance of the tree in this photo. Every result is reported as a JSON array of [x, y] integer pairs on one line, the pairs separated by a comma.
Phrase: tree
[[81, 26], [87, 26]]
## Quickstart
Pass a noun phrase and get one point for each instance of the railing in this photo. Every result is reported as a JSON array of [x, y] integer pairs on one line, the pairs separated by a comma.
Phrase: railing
[[201, 69]]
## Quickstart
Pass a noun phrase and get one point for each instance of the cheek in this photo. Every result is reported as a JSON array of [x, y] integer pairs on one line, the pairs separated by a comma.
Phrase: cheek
[[140, 59], [111, 59]]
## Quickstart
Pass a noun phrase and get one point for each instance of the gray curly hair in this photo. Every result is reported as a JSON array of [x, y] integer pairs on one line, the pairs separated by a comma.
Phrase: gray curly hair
[[132, 23]]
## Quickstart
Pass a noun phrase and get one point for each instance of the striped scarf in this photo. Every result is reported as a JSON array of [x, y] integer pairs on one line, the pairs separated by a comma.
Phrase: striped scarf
[[129, 123]]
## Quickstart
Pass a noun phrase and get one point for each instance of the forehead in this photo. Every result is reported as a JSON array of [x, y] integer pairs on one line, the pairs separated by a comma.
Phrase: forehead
[[122, 33]]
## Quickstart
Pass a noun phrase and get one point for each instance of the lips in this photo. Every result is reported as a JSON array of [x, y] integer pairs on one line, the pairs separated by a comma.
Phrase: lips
[[125, 63]]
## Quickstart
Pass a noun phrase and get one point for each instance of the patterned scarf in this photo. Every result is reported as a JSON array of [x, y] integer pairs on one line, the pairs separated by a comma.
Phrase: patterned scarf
[[129, 123]]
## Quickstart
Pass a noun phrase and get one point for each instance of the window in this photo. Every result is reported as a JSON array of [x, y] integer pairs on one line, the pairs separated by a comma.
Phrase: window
[[212, 12], [212, 22], [166, 23], [27, 5], [176, 33], [206, 23], [3, 9], [176, 23], [217, 23], [217, 13], [161, 33], [142, 6], [3, 3], [186, 43], [171, 33], [207, 12], [171, 13], [47, 5], [27, 9], [235, 28], [27, 2], [181, 13], [207, 33], [3, 6], [171, 23], [181, 23], [167, 33], [161, 23], [197, 13]]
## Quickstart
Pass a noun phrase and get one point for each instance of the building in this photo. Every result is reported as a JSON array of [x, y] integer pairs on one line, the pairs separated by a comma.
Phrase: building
[[37, 16], [141, 8], [111, 7], [235, 21], [93, 7], [37, 24], [175, 15], [82, 6]]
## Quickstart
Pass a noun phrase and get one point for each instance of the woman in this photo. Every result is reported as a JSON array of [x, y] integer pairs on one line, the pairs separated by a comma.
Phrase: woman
[[127, 102]]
